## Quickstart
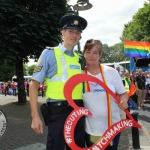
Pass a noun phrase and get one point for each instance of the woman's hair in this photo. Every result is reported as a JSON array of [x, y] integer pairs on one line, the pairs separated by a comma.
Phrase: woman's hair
[[91, 43], [94, 41]]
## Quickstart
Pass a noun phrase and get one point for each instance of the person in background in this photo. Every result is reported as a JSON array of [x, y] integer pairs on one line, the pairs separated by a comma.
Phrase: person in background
[[140, 83], [40, 89], [55, 66], [44, 89], [27, 87], [119, 71], [6, 88], [9, 88], [96, 99], [14, 87], [132, 76], [127, 81], [2, 88], [127, 84], [148, 86], [134, 97]]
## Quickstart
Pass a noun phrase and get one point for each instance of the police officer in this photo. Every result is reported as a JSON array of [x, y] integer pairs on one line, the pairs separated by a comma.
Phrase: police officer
[[126, 81], [56, 66]]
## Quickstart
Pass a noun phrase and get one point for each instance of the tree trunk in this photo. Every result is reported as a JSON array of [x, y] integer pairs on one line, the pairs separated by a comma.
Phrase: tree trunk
[[20, 81]]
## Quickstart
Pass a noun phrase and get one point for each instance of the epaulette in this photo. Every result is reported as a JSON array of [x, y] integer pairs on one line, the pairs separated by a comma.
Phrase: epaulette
[[49, 48]]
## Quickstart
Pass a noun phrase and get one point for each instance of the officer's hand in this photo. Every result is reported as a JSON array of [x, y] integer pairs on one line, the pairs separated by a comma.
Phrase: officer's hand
[[37, 125]]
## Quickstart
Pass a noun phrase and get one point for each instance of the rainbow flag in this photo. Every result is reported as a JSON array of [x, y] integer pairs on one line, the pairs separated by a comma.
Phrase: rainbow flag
[[132, 90], [136, 49]]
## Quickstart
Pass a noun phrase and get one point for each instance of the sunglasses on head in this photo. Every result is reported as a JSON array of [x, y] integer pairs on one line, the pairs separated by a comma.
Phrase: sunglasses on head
[[94, 41]]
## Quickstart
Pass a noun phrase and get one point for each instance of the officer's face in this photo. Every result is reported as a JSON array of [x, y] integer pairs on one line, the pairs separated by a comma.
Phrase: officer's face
[[71, 37]]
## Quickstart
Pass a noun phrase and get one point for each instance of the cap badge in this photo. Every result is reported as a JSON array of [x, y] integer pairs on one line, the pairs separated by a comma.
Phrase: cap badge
[[75, 22]]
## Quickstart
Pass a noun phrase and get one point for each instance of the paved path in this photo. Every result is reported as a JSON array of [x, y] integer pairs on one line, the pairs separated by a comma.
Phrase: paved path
[[19, 135]]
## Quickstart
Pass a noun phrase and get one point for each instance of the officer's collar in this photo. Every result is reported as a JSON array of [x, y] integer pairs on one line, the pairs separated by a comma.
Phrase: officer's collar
[[62, 48]]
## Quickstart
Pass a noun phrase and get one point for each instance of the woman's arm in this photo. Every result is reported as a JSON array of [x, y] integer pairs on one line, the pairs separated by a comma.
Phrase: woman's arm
[[124, 101]]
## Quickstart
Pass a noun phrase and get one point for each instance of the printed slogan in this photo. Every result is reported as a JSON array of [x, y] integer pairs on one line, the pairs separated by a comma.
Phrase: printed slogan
[[78, 112]]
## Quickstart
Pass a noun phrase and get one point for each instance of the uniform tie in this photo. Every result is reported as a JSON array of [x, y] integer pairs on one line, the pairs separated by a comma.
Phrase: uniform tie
[[69, 53]]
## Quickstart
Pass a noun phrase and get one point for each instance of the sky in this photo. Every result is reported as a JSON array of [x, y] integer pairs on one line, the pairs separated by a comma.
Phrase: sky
[[106, 19]]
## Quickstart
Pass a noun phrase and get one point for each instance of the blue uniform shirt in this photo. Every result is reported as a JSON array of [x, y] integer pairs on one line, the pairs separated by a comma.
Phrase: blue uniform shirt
[[46, 66]]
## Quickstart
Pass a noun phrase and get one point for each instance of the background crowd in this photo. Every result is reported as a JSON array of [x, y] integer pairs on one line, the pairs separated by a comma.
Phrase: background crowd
[[11, 88], [141, 80]]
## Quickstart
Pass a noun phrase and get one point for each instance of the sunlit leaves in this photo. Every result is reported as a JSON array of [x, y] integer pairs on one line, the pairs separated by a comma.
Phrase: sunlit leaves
[[139, 27]]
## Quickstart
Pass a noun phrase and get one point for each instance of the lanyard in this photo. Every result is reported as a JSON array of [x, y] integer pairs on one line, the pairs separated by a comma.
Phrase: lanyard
[[107, 94]]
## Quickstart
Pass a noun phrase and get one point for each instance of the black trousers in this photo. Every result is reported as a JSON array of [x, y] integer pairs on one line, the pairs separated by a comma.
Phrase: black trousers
[[55, 137]]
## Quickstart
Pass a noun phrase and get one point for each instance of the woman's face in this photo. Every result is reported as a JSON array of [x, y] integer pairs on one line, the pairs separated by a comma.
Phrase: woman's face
[[92, 56]]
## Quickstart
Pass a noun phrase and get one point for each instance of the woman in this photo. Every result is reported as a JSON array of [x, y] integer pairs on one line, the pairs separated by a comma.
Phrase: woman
[[96, 99], [9, 88]]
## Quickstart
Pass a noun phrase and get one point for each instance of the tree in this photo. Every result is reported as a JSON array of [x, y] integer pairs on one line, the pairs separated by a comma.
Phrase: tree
[[25, 70], [105, 54], [7, 70], [139, 27], [27, 26], [117, 52], [31, 69], [113, 53]]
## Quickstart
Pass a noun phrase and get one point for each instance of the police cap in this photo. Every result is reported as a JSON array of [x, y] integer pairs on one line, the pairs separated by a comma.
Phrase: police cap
[[73, 22]]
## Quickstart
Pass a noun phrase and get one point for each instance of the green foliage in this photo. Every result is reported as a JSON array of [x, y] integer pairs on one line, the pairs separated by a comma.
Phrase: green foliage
[[27, 26], [31, 69], [105, 54], [139, 28], [25, 69], [7, 70], [112, 54]]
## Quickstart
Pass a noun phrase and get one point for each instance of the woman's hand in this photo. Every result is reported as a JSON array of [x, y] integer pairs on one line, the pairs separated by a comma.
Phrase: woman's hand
[[124, 101], [123, 105]]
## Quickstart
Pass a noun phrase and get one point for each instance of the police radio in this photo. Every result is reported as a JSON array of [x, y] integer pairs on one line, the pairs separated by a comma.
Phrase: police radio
[[82, 61]]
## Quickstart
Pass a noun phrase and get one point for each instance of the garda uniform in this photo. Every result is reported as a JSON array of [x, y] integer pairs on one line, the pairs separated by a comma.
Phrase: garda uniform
[[126, 84], [55, 66]]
